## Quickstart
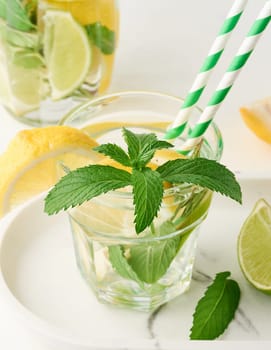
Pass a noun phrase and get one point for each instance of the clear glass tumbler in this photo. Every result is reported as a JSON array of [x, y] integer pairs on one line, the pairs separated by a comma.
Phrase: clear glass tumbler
[[146, 270], [54, 54]]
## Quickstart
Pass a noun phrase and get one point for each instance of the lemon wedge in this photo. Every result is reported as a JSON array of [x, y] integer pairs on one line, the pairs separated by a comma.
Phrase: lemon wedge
[[29, 165], [258, 118], [67, 52], [254, 246]]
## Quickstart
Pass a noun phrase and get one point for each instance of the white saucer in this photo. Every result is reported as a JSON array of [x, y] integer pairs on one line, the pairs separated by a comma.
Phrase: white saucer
[[39, 277]]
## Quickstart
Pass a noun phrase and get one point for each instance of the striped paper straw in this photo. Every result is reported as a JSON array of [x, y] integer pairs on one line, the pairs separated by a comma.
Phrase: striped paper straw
[[207, 68], [228, 79]]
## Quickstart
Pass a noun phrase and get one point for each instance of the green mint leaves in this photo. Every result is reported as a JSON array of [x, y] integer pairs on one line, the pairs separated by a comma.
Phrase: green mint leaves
[[18, 15], [148, 193], [141, 147], [83, 184], [102, 37], [86, 183], [216, 309], [203, 172]]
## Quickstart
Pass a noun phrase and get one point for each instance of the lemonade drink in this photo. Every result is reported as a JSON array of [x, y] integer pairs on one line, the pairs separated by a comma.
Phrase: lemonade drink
[[53, 54], [121, 266]]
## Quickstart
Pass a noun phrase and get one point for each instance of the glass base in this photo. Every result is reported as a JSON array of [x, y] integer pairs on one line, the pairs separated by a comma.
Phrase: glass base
[[129, 295], [110, 288]]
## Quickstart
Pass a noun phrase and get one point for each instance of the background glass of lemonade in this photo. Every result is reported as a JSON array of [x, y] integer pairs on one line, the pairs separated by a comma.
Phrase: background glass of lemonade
[[105, 225], [54, 54]]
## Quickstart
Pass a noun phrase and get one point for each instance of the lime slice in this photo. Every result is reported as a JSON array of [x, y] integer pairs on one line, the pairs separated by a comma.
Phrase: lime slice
[[67, 52], [254, 246]]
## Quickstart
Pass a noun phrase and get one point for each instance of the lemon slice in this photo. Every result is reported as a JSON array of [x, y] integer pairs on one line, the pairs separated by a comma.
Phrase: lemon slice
[[258, 118], [254, 246], [67, 52], [29, 165]]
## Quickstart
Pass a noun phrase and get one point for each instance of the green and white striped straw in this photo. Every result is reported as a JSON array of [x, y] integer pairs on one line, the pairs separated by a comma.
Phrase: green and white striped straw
[[218, 46], [227, 81]]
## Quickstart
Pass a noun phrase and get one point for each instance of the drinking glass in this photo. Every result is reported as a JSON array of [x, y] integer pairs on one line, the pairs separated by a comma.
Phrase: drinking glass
[[146, 270], [54, 54]]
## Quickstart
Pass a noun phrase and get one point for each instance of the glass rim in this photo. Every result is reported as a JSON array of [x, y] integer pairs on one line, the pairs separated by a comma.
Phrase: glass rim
[[99, 99], [116, 238]]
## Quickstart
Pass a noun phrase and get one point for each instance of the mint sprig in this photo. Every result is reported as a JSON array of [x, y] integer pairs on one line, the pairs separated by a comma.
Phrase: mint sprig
[[102, 37], [86, 183], [216, 309], [17, 15], [142, 147]]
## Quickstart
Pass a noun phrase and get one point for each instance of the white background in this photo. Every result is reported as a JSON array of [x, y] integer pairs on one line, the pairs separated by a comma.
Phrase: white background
[[162, 45]]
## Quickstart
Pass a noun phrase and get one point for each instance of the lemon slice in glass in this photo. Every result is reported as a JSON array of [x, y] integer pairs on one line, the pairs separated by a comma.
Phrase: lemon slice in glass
[[67, 52], [254, 246]]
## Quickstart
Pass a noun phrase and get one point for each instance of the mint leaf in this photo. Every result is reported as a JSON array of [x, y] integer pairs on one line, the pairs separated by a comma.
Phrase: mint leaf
[[138, 144], [216, 309], [120, 264], [3, 9], [141, 147], [83, 184], [102, 37], [148, 193], [151, 261], [114, 152], [204, 172], [27, 59], [17, 16]]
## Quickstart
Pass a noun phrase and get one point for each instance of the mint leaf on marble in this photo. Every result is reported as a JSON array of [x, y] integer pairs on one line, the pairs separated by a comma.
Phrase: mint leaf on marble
[[216, 309]]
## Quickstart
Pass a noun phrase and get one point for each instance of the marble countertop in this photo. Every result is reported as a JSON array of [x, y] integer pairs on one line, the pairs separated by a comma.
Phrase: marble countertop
[[160, 49]]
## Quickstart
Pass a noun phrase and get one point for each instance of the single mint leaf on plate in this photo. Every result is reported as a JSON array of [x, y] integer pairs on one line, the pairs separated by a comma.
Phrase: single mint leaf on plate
[[203, 172], [141, 147], [120, 264], [216, 309], [17, 16], [114, 152], [102, 37], [151, 261], [147, 196], [84, 184]]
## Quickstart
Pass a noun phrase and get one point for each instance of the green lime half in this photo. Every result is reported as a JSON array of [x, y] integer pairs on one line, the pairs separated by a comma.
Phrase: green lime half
[[67, 52], [254, 246]]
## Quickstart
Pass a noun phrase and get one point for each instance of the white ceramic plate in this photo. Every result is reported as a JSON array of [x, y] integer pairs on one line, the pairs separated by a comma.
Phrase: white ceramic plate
[[40, 279]]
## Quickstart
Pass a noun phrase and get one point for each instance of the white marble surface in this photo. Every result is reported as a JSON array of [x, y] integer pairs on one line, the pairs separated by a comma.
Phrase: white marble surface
[[162, 44]]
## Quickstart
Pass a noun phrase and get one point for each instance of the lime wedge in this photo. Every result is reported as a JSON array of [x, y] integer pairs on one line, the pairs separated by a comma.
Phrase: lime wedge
[[67, 52], [254, 247]]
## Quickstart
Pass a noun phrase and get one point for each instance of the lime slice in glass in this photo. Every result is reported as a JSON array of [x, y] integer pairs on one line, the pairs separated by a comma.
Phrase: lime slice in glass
[[254, 246], [67, 52]]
